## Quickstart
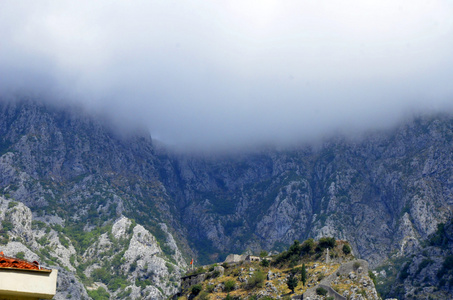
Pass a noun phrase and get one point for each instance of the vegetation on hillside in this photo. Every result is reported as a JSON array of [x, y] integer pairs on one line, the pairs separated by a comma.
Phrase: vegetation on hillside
[[293, 271]]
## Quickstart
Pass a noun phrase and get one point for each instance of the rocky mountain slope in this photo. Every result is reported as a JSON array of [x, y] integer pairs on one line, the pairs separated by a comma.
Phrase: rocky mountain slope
[[385, 192], [120, 260], [425, 274], [78, 180]]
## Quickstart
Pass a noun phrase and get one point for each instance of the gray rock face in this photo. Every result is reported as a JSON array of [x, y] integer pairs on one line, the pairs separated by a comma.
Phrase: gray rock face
[[21, 241], [385, 192], [56, 162], [270, 275], [141, 258], [140, 255], [220, 270], [426, 273]]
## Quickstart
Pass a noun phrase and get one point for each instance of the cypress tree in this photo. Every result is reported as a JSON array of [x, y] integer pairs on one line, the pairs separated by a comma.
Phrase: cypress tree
[[304, 274]]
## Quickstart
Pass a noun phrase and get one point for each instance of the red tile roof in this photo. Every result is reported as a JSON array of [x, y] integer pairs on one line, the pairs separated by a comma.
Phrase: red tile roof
[[19, 264]]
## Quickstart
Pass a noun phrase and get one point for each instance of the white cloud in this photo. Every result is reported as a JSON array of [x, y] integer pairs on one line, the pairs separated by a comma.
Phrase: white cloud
[[208, 74]]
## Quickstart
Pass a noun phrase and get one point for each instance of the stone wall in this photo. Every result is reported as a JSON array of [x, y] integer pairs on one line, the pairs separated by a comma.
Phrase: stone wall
[[188, 281]]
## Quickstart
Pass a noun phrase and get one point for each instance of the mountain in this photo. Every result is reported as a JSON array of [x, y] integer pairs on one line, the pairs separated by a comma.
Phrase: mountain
[[76, 181], [385, 192], [122, 257]]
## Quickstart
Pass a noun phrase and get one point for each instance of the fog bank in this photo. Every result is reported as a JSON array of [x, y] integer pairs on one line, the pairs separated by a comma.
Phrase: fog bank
[[229, 74]]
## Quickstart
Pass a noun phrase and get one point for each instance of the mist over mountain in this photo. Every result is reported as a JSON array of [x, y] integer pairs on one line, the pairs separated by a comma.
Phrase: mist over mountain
[[387, 194], [230, 75]]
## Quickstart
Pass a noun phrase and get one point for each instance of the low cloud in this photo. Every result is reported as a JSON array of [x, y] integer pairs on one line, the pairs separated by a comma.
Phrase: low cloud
[[233, 73]]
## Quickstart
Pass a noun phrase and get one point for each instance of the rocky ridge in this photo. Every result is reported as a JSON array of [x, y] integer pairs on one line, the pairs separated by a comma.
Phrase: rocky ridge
[[128, 247], [426, 273]]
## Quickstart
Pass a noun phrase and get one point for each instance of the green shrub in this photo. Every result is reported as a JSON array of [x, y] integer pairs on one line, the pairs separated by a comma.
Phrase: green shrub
[[20, 255], [439, 238], [295, 247], [196, 289], [263, 254], [101, 275], [143, 283], [292, 282], [203, 296], [265, 263], [321, 291], [257, 280], [229, 285], [42, 241], [447, 266], [99, 294], [215, 274], [12, 204], [170, 267], [124, 294], [327, 242], [210, 288], [235, 272], [117, 282], [4, 238], [7, 226], [404, 272], [372, 276], [38, 225], [133, 266], [346, 249], [63, 241]]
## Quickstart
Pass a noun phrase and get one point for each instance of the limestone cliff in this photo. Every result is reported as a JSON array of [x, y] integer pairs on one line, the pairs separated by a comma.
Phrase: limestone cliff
[[385, 192], [125, 260]]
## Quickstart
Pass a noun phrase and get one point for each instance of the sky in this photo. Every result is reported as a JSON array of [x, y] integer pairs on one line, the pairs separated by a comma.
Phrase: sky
[[228, 74]]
